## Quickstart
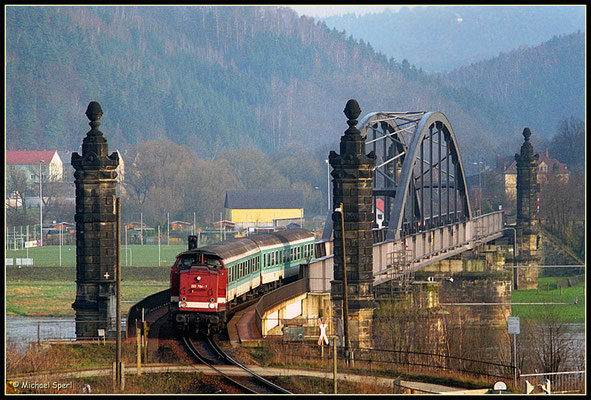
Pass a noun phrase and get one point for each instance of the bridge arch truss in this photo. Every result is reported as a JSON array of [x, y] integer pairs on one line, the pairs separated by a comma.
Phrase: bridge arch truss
[[419, 176]]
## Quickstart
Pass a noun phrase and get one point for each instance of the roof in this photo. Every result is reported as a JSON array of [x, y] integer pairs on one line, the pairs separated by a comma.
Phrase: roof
[[380, 204], [264, 199], [236, 246], [542, 158], [29, 157]]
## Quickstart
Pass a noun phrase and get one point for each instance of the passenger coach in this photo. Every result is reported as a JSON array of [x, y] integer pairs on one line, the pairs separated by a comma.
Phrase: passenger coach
[[206, 282]]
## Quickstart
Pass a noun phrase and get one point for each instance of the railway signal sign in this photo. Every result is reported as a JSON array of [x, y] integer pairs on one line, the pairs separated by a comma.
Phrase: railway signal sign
[[322, 336]]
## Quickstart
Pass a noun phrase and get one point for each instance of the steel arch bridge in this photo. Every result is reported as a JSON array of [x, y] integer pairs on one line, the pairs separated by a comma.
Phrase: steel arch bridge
[[419, 174], [419, 179]]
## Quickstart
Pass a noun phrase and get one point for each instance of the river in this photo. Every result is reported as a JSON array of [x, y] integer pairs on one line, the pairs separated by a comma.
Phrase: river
[[24, 330]]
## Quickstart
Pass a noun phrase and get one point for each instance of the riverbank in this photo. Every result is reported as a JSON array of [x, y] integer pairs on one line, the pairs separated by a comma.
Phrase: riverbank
[[570, 300]]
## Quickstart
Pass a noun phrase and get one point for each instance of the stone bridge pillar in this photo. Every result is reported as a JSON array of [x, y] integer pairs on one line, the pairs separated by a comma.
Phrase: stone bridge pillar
[[96, 221], [352, 186], [527, 214]]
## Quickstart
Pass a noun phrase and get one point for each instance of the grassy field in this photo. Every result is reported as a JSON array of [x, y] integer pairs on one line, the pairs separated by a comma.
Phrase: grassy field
[[68, 274], [36, 298], [47, 289], [548, 292], [137, 255]]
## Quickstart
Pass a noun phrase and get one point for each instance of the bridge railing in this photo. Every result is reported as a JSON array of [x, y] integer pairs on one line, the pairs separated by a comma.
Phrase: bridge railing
[[149, 304], [560, 382], [276, 297], [438, 243]]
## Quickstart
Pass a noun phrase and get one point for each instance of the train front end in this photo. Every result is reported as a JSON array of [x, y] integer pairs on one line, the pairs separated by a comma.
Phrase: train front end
[[200, 293]]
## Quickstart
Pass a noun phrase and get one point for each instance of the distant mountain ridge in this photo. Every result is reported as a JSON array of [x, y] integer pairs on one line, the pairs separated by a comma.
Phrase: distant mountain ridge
[[215, 78], [443, 38]]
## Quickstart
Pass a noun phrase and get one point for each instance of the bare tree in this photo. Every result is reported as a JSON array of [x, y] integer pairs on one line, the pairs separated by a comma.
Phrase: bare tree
[[547, 343]]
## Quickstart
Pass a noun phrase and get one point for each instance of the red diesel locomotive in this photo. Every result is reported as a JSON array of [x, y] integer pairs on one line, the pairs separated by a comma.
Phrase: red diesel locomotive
[[206, 282]]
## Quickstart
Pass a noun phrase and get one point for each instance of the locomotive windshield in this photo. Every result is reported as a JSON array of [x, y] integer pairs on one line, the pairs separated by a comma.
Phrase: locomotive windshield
[[213, 263], [189, 260]]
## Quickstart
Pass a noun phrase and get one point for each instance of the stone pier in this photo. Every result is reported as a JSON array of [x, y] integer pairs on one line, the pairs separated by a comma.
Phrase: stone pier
[[352, 187], [527, 214], [96, 221]]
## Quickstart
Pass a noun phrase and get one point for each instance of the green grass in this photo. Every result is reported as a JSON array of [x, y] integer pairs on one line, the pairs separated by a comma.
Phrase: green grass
[[68, 274], [548, 292], [47, 289], [30, 298], [137, 255]]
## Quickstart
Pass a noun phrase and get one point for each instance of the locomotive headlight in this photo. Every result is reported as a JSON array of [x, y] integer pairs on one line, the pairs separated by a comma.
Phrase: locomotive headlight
[[183, 304], [198, 278], [212, 300], [211, 305]]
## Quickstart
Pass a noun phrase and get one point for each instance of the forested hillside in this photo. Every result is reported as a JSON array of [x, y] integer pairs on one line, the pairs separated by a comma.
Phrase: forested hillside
[[212, 78], [536, 86]]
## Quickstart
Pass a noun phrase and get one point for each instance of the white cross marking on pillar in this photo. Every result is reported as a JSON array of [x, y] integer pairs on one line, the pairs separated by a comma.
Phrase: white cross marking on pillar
[[107, 275]]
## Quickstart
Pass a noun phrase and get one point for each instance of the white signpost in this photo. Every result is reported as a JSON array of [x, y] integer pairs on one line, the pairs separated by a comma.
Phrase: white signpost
[[513, 325], [513, 328]]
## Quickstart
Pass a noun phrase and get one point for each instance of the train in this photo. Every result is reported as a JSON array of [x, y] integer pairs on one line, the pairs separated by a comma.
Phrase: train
[[207, 282]]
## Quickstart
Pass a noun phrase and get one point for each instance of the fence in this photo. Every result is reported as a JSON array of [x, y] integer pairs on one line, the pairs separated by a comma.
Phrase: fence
[[30, 330], [372, 360], [559, 382]]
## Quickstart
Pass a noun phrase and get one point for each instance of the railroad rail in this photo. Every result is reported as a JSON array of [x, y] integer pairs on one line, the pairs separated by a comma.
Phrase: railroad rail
[[218, 356]]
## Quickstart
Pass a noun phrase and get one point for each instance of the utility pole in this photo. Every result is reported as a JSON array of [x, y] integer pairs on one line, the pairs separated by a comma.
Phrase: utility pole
[[41, 201], [334, 364], [327, 184], [345, 297], [118, 300]]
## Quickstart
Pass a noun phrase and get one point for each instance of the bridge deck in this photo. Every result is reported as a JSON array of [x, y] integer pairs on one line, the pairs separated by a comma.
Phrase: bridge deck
[[392, 258]]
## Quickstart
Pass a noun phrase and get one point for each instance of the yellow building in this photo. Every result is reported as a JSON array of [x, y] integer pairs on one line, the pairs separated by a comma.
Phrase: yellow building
[[546, 166], [264, 208]]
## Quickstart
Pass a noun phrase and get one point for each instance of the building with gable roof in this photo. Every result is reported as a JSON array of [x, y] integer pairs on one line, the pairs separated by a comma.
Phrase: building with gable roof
[[264, 208], [52, 165], [546, 167]]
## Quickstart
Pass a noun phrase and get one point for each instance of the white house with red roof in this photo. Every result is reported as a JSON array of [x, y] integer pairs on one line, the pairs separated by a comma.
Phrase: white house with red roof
[[380, 213], [51, 164]]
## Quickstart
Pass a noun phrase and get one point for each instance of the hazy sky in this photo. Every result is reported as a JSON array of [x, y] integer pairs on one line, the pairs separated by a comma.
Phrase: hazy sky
[[325, 11]]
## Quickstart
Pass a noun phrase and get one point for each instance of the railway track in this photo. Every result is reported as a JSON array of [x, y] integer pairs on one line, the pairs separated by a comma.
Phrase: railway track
[[208, 352]]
